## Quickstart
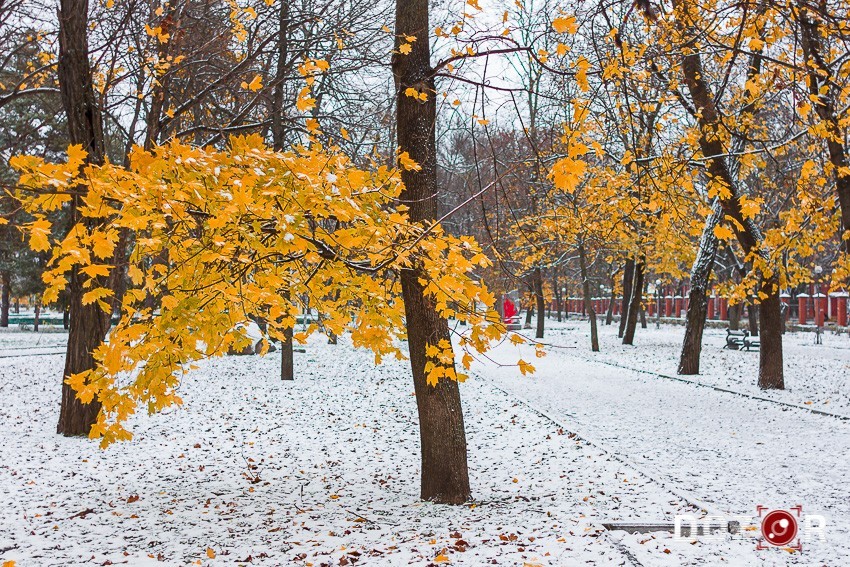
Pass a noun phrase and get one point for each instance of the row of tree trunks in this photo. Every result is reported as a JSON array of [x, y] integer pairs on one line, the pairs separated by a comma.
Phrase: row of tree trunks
[[748, 235], [445, 476], [89, 324]]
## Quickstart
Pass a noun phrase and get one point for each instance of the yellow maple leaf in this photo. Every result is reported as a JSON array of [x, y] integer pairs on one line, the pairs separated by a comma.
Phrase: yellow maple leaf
[[405, 49], [723, 232], [210, 553], [102, 245], [524, 367], [565, 24], [255, 84], [407, 162], [39, 231]]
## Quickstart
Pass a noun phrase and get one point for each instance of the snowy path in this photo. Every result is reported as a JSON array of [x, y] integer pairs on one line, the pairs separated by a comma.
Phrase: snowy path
[[729, 451]]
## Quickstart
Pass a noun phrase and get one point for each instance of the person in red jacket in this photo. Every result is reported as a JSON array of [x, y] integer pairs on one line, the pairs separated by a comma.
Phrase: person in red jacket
[[508, 309]]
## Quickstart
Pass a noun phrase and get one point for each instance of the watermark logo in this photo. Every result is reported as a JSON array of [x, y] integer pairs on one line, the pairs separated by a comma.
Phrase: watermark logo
[[771, 527], [779, 528]]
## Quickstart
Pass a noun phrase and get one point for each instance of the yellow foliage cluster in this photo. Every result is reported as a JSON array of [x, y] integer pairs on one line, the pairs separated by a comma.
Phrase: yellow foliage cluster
[[222, 237]]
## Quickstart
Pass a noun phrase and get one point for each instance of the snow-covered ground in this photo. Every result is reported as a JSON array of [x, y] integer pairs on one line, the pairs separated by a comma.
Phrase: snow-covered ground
[[324, 470]]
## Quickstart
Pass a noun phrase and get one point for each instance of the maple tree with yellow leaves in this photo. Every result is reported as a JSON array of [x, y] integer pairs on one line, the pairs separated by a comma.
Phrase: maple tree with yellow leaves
[[241, 227]]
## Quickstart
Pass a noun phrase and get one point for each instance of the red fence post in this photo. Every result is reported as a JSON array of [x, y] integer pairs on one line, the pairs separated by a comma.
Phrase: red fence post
[[803, 306], [841, 308]]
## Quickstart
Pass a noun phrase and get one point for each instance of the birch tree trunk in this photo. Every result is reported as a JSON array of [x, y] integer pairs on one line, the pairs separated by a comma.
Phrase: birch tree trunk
[[698, 296]]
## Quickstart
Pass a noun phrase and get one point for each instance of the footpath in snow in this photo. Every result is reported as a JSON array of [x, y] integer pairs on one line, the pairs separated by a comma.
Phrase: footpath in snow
[[729, 451]]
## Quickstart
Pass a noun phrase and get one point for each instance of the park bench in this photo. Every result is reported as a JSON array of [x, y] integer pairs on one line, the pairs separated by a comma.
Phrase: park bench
[[735, 339], [751, 342], [740, 340]]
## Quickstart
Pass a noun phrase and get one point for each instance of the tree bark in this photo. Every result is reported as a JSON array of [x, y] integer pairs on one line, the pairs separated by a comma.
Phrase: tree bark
[[445, 476], [541, 302], [748, 235], [89, 323], [698, 297], [734, 312], [36, 319], [588, 303], [5, 295], [753, 318], [634, 303], [609, 315], [279, 140], [558, 298], [628, 278], [822, 90]]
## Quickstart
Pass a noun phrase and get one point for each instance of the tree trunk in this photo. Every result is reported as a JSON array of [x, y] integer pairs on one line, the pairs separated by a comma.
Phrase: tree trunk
[[717, 168], [609, 315], [541, 302], [35, 321], [279, 140], [634, 303], [753, 318], [822, 90], [698, 300], [770, 352], [558, 298], [588, 303], [734, 312], [89, 323], [287, 361], [628, 278], [5, 295], [445, 476]]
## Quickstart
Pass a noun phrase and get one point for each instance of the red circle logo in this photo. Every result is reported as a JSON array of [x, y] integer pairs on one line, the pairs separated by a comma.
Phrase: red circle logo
[[779, 527]]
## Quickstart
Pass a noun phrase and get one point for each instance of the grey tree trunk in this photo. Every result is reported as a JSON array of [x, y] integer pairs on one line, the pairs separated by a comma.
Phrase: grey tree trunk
[[541, 302], [634, 303], [628, 278], [588, 303]]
